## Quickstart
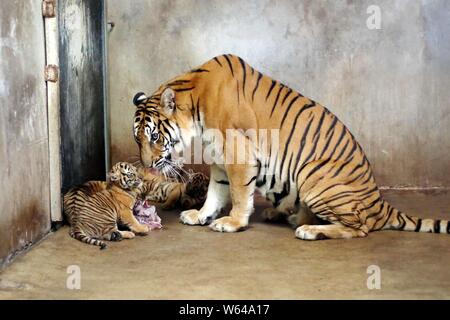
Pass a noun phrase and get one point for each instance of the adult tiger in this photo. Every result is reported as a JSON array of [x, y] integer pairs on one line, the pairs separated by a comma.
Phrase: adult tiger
[[318, 171]]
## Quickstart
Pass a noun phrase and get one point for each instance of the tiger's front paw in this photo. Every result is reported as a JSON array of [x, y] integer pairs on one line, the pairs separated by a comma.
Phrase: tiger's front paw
[[194, 217], [227, 224]]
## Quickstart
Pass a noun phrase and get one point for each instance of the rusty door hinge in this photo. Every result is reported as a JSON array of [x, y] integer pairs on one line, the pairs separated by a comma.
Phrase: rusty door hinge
[[51, 73], [49, 8]]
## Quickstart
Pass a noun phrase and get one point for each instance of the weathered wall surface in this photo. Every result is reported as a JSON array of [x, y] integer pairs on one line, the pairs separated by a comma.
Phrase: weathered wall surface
[[390, 86], [82, 91], [24, 182]]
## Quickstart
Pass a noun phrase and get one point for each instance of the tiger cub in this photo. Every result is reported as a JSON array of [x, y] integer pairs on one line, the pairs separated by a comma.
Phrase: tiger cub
[[95, 208], [169, 194]]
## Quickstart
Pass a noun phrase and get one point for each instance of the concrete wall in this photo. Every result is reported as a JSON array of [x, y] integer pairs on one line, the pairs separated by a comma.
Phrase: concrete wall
[[24, 182], [82, 91], [390, 86]]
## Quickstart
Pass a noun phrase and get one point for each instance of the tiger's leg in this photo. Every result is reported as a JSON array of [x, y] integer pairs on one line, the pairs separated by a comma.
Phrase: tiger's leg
[[242, 179], [346, 215], [127, 218], [216, 199], [119, 235], [127, 234], [330, 231]]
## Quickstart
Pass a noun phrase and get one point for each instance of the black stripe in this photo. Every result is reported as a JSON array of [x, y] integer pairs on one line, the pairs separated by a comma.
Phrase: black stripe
[[316, 168], [288, 93], [271, 88], [388, 216], [260, 183], [276, 100], [325, 190], [448, 226], [184, 89], [273, 179], [192, 108], [280, 196], [437, 226], [257, 84], [339, 141], [401, 220], [288, 175], [319, 125], [352, 151], [245, 75], [251, 180], [325, 148], [418, 225], [199, 70], [311, 153], [178, 82], [287, 110], [237, 90], [229, 64], [410, 219], [198, 109], [333, 124], [288, 141], [342, 151], [342, 167], [353, 193], [358, 166], [222, 182], [302, 144], [217, 60]]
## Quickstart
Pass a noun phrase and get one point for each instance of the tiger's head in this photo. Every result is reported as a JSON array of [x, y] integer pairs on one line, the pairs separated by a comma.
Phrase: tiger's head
[[125, 176], [162, 126]]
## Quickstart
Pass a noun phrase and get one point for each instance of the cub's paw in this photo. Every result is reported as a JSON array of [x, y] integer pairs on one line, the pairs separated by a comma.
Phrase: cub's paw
[[272, 214], [141, 229], [116, 236], [227, 224], [127, 234], [193, 217]]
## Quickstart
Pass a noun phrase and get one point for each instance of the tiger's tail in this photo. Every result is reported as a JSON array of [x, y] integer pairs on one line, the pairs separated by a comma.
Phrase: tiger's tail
[[81, 236], [397, 220]]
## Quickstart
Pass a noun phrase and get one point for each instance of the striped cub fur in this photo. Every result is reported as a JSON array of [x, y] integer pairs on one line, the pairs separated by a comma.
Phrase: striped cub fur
[[95, 208], [170, 194]]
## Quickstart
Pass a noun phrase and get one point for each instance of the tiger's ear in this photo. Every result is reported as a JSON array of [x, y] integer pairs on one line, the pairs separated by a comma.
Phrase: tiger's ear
[[168, 101], [112, 176], [139, 98]]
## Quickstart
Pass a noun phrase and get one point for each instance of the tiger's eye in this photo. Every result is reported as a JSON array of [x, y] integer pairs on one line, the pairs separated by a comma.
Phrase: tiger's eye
[[155, 136]]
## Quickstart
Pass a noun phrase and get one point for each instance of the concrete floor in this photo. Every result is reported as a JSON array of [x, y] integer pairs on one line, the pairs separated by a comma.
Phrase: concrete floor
[[264, 262]]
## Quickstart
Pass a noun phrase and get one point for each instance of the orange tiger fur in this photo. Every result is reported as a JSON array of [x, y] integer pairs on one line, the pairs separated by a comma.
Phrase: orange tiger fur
[[318, 171]]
